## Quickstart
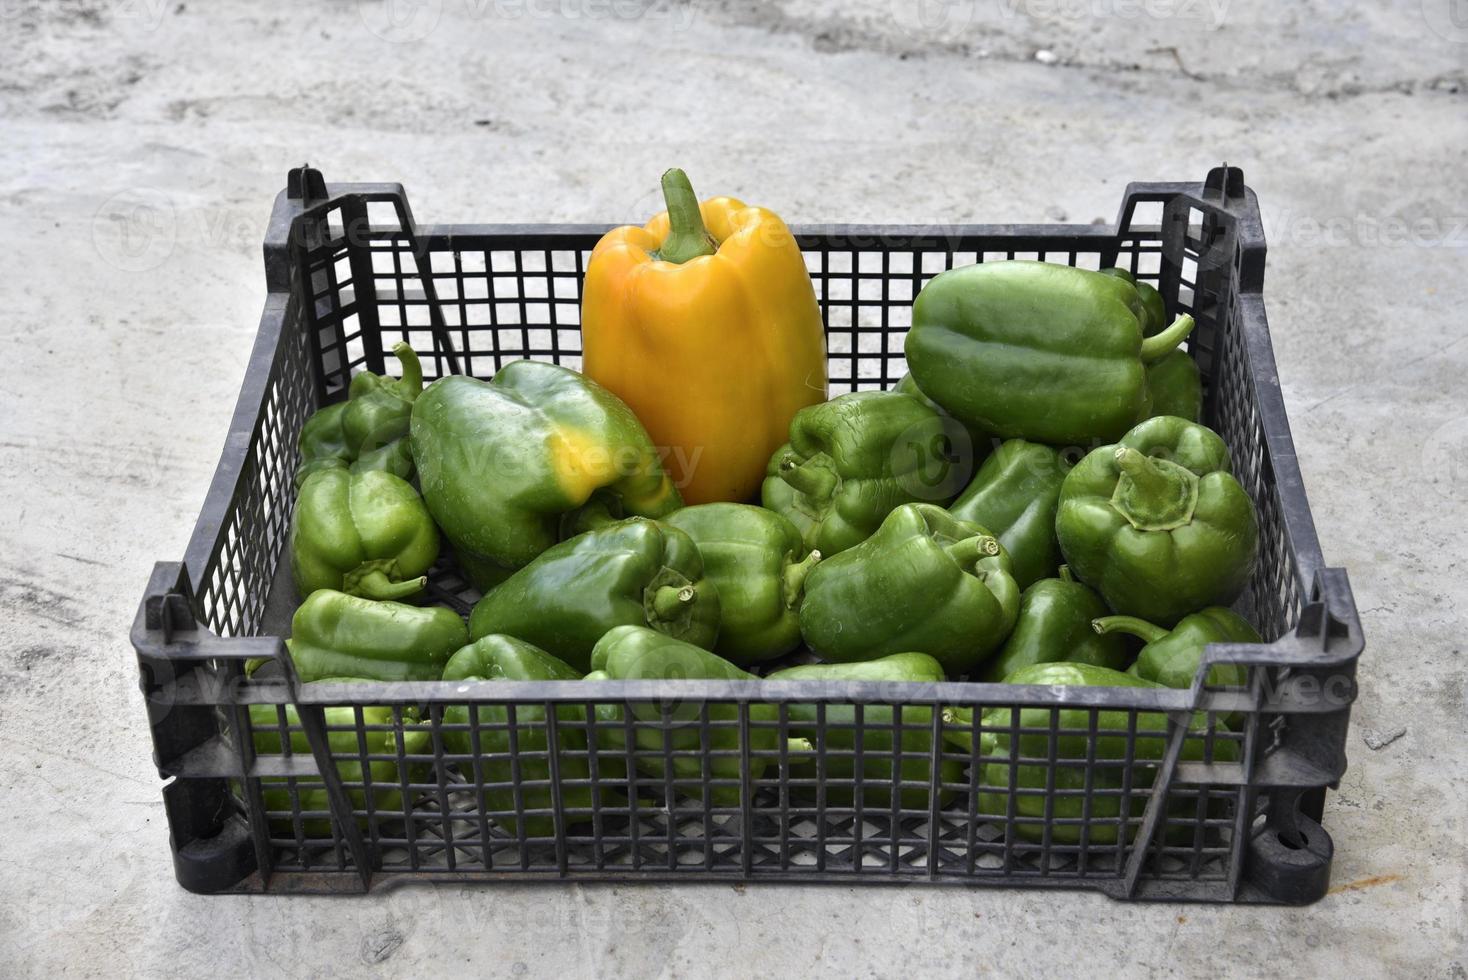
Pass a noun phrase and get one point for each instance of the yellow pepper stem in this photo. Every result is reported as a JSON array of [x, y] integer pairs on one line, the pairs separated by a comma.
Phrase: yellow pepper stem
[[687, 236]]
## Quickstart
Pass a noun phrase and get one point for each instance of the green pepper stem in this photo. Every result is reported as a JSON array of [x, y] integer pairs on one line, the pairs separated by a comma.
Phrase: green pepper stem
[[1142, 472], [376, 585], [412, 368], [1153, 494], [794, 578], [813, 481], [966, 551], [799, 746], [1065, 574], [1158, 346], [669, 600], [1129, 624], [687, 236]]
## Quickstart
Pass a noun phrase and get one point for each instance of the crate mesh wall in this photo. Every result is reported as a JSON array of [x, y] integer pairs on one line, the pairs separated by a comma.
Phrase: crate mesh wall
[[800, 820]]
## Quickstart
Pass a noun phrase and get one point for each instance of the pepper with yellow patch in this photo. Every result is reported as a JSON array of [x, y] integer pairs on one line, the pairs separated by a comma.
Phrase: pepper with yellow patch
[[502, 463], [706, 324]]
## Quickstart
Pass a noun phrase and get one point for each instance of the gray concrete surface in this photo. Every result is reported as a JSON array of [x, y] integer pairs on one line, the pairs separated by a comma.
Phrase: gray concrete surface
[[125, 339]]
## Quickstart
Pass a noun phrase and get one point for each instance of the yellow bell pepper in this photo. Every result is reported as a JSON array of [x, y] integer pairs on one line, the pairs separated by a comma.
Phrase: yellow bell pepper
[[705, 323]]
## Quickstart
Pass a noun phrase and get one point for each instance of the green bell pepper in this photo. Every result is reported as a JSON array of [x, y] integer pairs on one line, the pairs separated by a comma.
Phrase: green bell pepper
[[335, 635], [365, 532], [1036, 351], [387, 796], [1157, 524], [1055, 624], [916, 740], [1035, 725], [853, 459], [504, 658], [1015, 495], [636, 653], [1033, 771], [369, 430], [758, 564], [631, 572], [925, 581], [1172, 657], [1174, 386], [502, 462], [1154, 308], [609, 740]]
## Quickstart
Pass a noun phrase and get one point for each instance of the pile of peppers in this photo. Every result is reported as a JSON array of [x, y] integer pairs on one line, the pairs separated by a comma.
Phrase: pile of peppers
[[1037, 502]]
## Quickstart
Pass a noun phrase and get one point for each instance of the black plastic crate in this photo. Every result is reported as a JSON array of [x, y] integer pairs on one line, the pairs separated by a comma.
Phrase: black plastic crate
[[360, 799]]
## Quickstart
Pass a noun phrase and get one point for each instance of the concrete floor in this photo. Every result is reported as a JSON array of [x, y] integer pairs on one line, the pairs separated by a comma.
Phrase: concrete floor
[[126, 340]]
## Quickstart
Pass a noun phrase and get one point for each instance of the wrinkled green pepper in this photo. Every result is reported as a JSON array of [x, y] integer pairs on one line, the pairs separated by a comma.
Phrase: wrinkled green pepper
[[1015, 495], [636, 653], [853, 459], [925, 582], [504, 658], [1055, 624], [631, 572], [502, 462], [369, 430], [1157, 524], [1034, 772], [335, 635], [1172, 657], [916, 740], [342, 734], [758, 563], [365, 532], [1036, 351]]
